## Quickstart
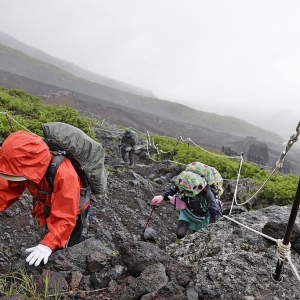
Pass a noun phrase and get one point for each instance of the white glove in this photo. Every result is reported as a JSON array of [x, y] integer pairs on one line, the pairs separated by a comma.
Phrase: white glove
[[38, 253], [156, 200]]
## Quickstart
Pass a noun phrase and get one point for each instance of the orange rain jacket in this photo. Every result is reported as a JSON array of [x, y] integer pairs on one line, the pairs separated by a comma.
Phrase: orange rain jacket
[[26, 154]]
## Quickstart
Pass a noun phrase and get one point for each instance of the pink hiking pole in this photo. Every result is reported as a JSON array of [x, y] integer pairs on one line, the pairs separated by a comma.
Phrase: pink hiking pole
[[148, 220]]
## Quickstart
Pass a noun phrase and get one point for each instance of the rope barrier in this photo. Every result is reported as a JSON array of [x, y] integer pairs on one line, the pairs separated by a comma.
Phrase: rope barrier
[[149, 138], [9, 116], [240, 166], [279, 163], [289, 144], [149, 153], [218, 155], [165, 152], [237, 183], [188, 140], [293, 268], [283, 251], [226, 156], [260, 233]]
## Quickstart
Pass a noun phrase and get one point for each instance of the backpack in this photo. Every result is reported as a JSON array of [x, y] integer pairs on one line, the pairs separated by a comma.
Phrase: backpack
[[212, 176], [135, 137], [86, 155], [131, 134]]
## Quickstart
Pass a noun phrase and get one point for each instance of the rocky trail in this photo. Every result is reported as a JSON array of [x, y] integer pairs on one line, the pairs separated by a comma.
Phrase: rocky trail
[[224, 261]]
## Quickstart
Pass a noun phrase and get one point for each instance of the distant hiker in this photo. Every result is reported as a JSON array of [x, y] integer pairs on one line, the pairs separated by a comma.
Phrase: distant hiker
[[197, 204], [24, 160], [127, 144]]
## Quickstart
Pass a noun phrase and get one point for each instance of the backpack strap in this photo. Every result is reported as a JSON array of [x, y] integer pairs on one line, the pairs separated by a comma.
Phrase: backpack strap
[[56, 160], [85, 193]]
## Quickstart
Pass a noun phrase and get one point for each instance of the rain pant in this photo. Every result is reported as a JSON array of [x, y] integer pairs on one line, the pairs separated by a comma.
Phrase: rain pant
[[26, 154]]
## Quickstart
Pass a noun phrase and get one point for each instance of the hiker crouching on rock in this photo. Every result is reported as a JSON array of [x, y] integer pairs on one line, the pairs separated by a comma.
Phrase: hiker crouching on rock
[[197, 204], [24, 159], [128, 141]]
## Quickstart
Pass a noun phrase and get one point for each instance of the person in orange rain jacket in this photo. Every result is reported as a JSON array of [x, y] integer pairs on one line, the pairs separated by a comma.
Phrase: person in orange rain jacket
[[24, 159]]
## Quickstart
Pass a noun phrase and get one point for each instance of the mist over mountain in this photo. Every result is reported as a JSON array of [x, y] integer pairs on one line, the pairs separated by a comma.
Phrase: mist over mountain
[[21, 59], [42, 75], [13, 43]]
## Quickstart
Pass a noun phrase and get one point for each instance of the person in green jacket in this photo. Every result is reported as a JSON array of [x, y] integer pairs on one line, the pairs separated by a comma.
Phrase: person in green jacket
[[128, 141]]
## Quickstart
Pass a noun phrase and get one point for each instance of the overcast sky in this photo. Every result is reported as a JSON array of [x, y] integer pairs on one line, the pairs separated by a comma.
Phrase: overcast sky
[[239, 58]]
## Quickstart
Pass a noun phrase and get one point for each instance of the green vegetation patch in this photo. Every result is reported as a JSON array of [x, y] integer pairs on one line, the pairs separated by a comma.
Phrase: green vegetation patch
[[280, 190], [25, 111]]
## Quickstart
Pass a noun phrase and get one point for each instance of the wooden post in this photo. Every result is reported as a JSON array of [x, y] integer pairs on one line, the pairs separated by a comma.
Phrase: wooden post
[[289, 230]]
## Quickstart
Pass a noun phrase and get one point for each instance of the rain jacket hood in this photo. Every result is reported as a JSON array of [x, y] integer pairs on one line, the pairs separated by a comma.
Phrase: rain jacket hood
[[192, 184], [25, 154]]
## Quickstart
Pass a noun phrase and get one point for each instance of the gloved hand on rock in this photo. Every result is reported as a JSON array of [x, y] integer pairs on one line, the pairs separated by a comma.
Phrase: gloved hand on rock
[[38, 253], [156, 200]]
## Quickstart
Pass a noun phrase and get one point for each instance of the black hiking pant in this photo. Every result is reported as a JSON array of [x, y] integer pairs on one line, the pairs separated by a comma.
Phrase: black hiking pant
[[130, 155], [182, 229], [76, 236]]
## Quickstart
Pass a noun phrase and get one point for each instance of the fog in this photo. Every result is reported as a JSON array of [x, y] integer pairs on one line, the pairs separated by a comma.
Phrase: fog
[[237, 58]]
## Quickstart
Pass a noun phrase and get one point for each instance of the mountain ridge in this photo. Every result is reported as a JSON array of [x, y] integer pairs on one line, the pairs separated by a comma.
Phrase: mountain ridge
[[163, 117], [11, 42], [142, 121], [21, 64]]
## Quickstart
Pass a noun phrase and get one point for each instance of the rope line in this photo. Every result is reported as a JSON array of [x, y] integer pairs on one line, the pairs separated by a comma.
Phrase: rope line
[[293, 268], [148, 152], [237, 183], [218, 155], [283, 252], [7, 115], [166, 152], [260, 233], [257, 192], [279, 163], [226, 156]]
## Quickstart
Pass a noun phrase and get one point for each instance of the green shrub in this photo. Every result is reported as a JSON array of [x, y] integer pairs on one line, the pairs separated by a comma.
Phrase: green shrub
[[29, 112]]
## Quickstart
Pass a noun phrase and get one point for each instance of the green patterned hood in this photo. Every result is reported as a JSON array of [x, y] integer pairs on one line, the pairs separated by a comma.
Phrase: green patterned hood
[[190, 183]]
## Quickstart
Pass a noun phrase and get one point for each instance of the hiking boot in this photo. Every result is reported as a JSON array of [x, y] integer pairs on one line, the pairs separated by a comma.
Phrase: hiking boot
[[85, 237]]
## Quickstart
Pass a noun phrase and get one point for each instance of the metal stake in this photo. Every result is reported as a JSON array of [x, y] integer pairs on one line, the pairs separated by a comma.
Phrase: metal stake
[[289, 230]]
